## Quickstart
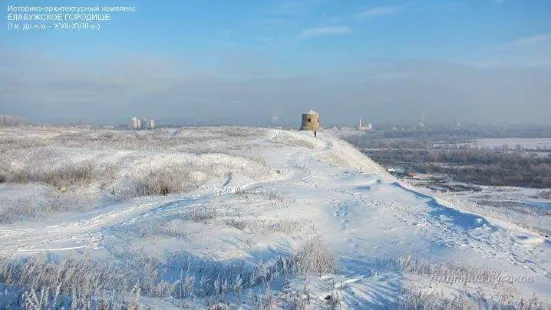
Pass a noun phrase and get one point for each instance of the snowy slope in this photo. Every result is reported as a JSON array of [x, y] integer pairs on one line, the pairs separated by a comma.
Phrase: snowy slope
[[387, 237]]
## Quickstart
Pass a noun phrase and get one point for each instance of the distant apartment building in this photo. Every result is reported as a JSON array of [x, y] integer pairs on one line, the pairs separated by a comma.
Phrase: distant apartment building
[[146, 123], [134, 123], [368, 127]]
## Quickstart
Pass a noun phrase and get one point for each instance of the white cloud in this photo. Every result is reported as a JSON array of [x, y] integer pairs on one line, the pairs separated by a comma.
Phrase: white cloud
[[530, 51], [379, 11], [321, 31], [527, 41]]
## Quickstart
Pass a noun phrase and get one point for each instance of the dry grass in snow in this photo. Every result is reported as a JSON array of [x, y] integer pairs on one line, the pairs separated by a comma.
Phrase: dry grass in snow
[[83, 169], [78, 282]]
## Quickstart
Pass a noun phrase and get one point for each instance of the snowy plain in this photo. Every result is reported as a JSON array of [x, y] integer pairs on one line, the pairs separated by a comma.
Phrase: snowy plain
[[524, 143], [251, 218]]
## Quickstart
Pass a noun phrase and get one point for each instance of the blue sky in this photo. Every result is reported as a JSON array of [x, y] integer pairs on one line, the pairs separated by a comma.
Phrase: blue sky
[[277, 58]]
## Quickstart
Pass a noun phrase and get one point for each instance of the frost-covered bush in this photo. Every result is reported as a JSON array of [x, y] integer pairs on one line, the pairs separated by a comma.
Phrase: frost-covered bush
[[440, 271], [31, 206], [270, 194], [166, 180], [546, 194], [458, 274], [315, 257], [65, 175], [78, 283], [175, 228], [286, 226], [62, 160], [179, 177], [46, 281], [201, 214], [417, 299], [196, 140]]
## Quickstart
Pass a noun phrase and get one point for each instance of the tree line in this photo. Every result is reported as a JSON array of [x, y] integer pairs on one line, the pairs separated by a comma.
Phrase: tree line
[[482, 167], [11, 120]]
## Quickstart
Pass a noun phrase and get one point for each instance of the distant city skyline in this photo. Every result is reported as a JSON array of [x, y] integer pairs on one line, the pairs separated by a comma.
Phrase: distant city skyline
[[267, 62]]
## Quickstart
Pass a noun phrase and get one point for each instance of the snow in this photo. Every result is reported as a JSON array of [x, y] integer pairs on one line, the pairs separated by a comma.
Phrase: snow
[[512, 143], [525, 143], [313, 186]]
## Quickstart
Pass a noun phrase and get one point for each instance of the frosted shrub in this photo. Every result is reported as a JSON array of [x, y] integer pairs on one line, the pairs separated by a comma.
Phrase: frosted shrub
[[174, 228], [269, 194], [414, 299], [41, 282], [218, 306], [202, 277], [286, 226], [49, 162], [33, 206], [21, 208], [440, 271], [545, 194], [201, 214], [454, 273], [166, 180], [237, 223], [182, 177], [78, 283], [314, 257], [68, 174]]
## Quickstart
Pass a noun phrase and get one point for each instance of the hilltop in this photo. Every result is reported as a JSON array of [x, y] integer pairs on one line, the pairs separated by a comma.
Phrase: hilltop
[[243, 217]]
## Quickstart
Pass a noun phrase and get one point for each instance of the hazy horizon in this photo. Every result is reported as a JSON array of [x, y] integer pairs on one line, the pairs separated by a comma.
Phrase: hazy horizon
[[266, 63]]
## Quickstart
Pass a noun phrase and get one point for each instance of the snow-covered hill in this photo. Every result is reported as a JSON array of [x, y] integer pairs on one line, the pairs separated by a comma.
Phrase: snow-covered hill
[[251, 218]]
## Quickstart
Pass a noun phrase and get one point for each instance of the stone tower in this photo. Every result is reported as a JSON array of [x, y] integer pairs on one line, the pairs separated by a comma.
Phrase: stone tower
[[310, 121]]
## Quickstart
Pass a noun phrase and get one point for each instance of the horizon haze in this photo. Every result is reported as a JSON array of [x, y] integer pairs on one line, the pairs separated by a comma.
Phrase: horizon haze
[[267, 62]]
